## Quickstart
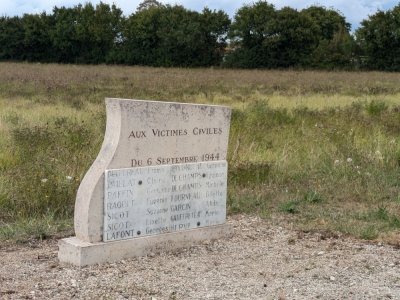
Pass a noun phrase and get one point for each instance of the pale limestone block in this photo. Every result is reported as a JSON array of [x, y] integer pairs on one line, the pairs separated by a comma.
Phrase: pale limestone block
[[165, 139], [154, 133], [80, 253]]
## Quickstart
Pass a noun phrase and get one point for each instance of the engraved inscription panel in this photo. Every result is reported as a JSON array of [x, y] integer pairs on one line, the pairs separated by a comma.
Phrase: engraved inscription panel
[[165, 133], [160, 199]]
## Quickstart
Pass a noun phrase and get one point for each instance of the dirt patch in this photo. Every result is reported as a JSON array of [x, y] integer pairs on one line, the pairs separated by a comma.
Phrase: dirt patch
[[261, 261]]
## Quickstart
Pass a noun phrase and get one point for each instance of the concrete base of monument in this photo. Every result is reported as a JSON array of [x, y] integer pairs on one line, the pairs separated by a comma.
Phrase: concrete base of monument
[[80, 253]]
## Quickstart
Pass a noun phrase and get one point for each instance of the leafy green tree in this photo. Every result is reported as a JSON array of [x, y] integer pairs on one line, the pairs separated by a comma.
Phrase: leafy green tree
[[178, 37], [164, 35], [329, 21], [190, 38], [87, 34], [146, 4], [98, 30], [336, 53], [379, 40], [11, 38], [174, 36], [334, 46], [64, 35], [269, 38], [252, 29], [37, 39], [140, 37], [264, 37], [295, 37], [214, 26]]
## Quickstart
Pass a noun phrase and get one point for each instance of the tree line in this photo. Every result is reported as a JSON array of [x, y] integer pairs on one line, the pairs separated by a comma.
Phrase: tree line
[[258, 36]]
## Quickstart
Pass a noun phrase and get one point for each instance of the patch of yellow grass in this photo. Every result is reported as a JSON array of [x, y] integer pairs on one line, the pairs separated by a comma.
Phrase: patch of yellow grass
[[36, 113]]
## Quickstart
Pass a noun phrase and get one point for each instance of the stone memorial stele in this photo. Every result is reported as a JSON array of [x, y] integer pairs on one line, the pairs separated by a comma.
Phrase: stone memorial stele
[[158, 183]]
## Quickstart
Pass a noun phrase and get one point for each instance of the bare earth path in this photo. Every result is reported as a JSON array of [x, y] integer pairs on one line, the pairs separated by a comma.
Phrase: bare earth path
[[260, 261]]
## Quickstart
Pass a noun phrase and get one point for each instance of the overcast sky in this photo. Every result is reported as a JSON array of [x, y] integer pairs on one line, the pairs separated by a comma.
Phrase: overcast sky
[[354, 10]]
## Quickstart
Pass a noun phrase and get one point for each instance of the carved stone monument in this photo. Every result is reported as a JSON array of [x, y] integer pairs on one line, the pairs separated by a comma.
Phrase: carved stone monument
[[158, 183]]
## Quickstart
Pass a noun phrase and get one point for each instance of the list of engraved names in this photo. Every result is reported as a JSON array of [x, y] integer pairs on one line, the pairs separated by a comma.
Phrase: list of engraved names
[[160, 199]]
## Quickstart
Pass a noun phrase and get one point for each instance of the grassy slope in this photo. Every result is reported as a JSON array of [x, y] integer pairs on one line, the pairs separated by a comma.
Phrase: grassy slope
[[321, 149]]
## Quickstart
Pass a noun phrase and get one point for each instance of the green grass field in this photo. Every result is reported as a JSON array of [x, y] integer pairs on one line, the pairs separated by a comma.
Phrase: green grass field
[[318, 150]]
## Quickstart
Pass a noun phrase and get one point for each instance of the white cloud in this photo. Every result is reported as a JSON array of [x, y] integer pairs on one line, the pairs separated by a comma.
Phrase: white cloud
[[354, 10], [229, 6]]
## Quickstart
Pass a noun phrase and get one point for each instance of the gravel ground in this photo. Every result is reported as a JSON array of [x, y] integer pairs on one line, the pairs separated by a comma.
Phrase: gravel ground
[[261, 261]]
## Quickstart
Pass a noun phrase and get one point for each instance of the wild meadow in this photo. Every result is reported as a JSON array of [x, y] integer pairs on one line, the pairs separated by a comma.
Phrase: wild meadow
[[313, 150]]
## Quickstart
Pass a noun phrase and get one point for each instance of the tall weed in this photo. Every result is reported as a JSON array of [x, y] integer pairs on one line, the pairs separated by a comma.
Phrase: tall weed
[[51, 159]]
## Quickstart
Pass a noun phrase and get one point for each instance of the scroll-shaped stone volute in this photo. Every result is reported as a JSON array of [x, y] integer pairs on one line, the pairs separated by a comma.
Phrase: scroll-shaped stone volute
[[148, 133], [88, 216]]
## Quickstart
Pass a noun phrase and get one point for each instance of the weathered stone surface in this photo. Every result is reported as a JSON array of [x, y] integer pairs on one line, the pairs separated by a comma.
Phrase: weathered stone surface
[[80, 253], [180, 149], [148, 133], [162, 199]]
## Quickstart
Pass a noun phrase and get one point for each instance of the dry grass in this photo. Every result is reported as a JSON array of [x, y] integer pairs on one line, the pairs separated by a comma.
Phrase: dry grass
[[320, 147], [211, 85]]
